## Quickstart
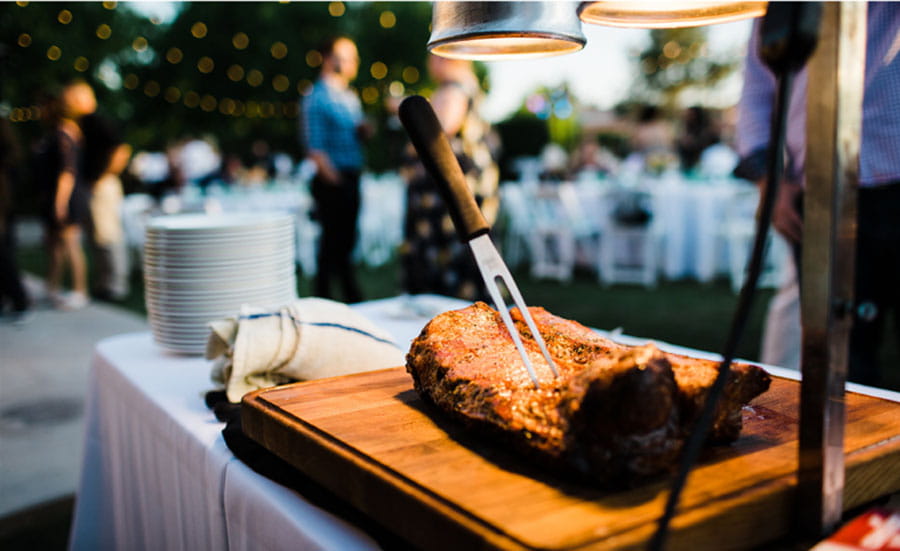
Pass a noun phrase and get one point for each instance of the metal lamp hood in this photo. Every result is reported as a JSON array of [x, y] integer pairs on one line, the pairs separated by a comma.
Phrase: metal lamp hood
[[500, 30]]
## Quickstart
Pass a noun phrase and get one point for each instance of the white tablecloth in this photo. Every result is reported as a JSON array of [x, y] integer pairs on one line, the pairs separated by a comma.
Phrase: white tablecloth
[[157, 474], [156, 471]]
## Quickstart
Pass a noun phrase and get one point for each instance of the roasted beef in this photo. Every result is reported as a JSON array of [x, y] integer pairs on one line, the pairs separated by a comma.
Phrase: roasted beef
[[615, 414]]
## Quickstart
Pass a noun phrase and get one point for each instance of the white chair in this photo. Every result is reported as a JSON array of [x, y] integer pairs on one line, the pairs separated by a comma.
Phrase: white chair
[[739, 230], [629, 251], [551, 239], [516, 219]]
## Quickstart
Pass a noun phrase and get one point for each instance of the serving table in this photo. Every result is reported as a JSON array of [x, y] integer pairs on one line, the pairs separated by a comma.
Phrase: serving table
[[156, 471]]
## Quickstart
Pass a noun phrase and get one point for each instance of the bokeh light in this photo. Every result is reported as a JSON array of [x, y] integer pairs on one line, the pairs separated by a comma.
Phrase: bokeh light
[[174, 55], [172, 94], [313, 58], [387, 19], [151, 88], [104, 31], [208, 103], [336, 9], [378, 70], [235, 72], [205, 65], [64, 17], [139, 44], [240, 41], [130, 81], [281, 83], [255, 77], [410, 75], [54, 53], [369, 94], [81, 64], [198, 29], [191, 99], [278, 50], [24, 40]]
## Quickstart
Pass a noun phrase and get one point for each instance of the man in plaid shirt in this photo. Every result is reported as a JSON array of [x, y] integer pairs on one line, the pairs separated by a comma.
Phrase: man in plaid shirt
[[333, 129]]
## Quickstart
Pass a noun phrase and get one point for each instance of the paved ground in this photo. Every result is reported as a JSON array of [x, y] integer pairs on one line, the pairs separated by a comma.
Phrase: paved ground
[[44, 366]]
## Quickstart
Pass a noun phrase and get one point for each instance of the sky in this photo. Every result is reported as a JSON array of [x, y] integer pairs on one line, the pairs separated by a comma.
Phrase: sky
[[602, 72], [599, 75]]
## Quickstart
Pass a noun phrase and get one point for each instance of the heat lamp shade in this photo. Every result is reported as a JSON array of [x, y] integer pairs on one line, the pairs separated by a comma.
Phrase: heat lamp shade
[[501, 30], [660, 14]]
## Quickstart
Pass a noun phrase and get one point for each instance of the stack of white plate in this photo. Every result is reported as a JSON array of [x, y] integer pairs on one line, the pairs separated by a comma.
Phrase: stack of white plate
[[199, 268]]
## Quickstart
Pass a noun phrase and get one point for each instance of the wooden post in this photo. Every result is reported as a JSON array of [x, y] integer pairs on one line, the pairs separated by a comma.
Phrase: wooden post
[[834, 118]]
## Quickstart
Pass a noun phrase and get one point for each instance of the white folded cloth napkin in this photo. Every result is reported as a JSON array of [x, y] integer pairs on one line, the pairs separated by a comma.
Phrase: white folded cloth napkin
[[310, 338]]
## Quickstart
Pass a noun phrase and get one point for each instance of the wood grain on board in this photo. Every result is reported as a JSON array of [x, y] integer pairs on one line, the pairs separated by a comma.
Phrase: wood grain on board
[[371, 440]]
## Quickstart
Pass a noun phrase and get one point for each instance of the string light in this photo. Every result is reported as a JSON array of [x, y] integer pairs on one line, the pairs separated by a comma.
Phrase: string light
[[240, 41], [387, 19], [410, 75], [191, 99], [174, 55], [278, 50], [172, 94], [24, 40], [205, 65], [281, 83], [254, 78], [336, 9], [238, 108], [671, 49], [81, 64], [54, 53], [252, 109], [110, 5], [151, 88], [130, 81], [64, 17], [21, 3], [226, 106], [104, 31], [198, 29], [208, 103], [396, 88], [235, 73], [304, 87], [378, 70], [139, 44], [313, 58], [369, 94]]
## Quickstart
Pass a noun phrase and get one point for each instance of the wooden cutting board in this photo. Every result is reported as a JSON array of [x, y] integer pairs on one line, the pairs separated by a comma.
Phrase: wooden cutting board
[[373, 442]]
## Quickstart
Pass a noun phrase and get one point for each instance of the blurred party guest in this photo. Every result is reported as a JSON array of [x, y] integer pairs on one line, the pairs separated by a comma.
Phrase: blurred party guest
[[333, 129], [434, 261], [652, 142], [698, 132], [105, 158], [11, 289], [878, 232], [65, 193]]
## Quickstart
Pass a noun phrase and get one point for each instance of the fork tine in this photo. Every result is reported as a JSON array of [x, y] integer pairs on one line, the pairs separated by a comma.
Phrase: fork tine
[[510, 326], [529, 321]]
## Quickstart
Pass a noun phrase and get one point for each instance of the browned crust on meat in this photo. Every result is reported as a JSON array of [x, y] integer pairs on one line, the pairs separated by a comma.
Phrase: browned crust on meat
[[616, 412]]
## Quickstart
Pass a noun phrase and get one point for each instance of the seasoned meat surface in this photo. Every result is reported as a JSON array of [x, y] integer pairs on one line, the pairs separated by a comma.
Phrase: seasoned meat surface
[[616, 413]]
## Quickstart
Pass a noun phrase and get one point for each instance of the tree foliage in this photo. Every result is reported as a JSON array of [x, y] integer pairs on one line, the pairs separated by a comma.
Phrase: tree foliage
[[675, 60], [230, 70]]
